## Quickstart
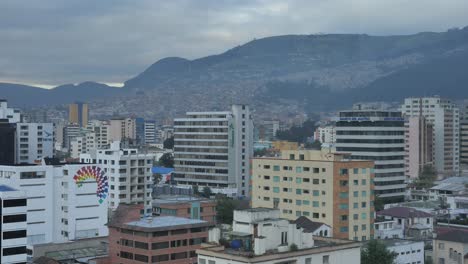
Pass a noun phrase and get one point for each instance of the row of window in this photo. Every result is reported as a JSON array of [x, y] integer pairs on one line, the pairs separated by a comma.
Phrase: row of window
[[161, 233], [158, 258]]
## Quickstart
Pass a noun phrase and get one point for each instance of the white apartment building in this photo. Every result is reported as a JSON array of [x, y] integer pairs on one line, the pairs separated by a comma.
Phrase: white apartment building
[[12, 225], [13, 115], [407, 251], [34, 141], [64, 201], [326, 134], [379, 136], [70, 131], [214, 149], [150, 132], [101, 130], [85, 143], [259, 235], [445, 119], [129, 172]]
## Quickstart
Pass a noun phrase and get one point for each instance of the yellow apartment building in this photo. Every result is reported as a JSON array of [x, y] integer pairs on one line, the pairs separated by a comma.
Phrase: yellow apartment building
[[325, 187]]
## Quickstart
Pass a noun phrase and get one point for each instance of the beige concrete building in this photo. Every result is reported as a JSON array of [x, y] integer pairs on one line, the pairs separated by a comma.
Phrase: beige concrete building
[[324, 187], [284, 145], [418, 146], [122, 128], [450, 246]]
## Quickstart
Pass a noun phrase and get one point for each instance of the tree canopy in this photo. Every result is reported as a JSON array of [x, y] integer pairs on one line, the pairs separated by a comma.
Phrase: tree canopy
[[376, 252], [298, 133], [426, 178], [167, 160]]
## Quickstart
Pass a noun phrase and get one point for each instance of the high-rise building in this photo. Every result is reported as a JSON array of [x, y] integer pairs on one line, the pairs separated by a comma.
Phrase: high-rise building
[[140, 130], [12, 115], [377, 135], [129, 173], [122, 129], [12, 225], [7, 142], [214, 149], [445, 119], [35, 141], [464, 134], [325, 134], [322, 186], [150, 132], [64, 201], [418, 145], [70, 131], [78, 114], [101, 132]]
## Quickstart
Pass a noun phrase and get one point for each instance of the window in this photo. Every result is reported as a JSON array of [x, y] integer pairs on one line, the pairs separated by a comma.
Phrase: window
[[355, 205], [284, 238], [364, 193], [14, 234], [355, 171], [315, 193], [355, 216], [441, 245], [363, 216], [344, 229], [355, 182], [276, 178], [305, 202], [343, 194], [326, 259], [315, 181], [343, 171], [356, 194], [308, 261], [14, 218], [141, 258], [298, 169], [276, 189], [298, 191], [276, 168], [14, 251], [14, 203], [343, 206], [344, 218], [298, 180], [298, 202], [363, 204], [160, 245], [363, 182], [364, 171], [161, 258], [141, 245], [315, 204]]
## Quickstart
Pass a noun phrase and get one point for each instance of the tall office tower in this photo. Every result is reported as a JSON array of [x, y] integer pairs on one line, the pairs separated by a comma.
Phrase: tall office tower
[[35, 141], [64, 201], [418, 146], [150, 132], [445, 119], [78, 114], [376, 135], [140, 130], [101, 130], [7, 142], [464, 133], [85, 142], [325, 187], [12, 225], [129, 173], [12, 115], [214, 149]]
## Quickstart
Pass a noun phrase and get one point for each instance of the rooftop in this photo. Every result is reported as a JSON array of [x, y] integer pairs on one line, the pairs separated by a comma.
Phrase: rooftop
[[453, 187], [164, 221], [455, 180], [170, 199], [453, 234], [403, 212], [398, 242], [5, 188], [258, 209], [308, 225]]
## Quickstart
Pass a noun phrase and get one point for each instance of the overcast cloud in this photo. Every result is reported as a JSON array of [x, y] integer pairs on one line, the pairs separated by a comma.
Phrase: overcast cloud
[[51, 42]]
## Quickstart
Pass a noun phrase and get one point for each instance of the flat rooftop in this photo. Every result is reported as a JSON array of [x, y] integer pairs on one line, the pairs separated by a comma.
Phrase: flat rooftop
[[170, 199], [398, 242], [164, 221]]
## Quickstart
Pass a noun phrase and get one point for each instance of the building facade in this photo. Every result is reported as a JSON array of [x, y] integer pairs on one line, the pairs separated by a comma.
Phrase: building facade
[[35, 141], [129, 173], [165, 239], [450, 246], [64, 201], [12, 115], [185, 206], [78, 114], [214, 149], [12, 226], [7, 142], [418, 146], [445, 119], [326, 135], [376, 135], [324, 187], [464, 142], [407, 251], [150, 132]]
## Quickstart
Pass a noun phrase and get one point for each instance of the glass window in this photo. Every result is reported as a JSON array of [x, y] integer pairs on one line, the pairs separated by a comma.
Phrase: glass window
[[356, 171], [298, 169], [298, 180], [344, 194], [343, 206], [315, 204], [364, 193], [276, 178], [364, 171], [276, 168], [344, 229], [355, 205], [363, 216], [356, 194], [298, 202], [305, 202], [298, 191], [276, 189], [315, 193]]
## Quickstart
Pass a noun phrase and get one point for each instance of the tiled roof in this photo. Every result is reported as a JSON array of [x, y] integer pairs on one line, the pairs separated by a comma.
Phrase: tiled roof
[[453, 235], [308, 225], [403, 212]]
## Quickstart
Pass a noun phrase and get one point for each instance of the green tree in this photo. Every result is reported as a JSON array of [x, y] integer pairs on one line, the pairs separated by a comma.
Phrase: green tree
[[375, 252], [169, 143], [167, 160], [206, 192], [426, 178], [378, 203], [195, 190], [225, 209], [298, 133], [314, 145]]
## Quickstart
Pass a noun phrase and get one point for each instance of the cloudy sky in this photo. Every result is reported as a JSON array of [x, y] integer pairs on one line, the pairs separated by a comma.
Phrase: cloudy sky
[[52, 42]]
